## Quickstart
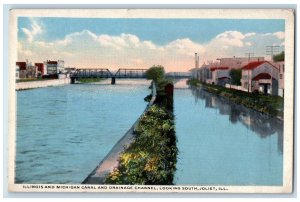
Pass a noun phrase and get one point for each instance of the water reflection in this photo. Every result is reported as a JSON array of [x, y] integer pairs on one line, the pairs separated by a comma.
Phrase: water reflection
[[261, 124]]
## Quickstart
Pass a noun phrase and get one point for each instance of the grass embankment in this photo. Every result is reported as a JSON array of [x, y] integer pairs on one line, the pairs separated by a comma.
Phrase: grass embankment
[[90, 80], [268, 104], [193, 82], [151, 157]]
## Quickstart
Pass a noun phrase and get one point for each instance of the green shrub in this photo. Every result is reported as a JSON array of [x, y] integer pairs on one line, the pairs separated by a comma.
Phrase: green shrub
[[193, 82], [155, 73], [236, 75], [151, 158], [89, 80], [271, 105]]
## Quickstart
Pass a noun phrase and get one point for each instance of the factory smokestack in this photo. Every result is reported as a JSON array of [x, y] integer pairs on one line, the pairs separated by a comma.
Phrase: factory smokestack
[[196, 60]]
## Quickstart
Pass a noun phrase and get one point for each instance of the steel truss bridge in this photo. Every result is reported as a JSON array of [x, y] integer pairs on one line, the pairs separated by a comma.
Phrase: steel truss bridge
[[121, 73], [106, 73]]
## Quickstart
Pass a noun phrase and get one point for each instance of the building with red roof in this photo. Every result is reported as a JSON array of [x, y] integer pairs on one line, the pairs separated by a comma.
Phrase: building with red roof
[[260, 76], [218, 68], [25, 70], [219, 75], [21, 65], [219, 72], [238, 62], [40, 68]]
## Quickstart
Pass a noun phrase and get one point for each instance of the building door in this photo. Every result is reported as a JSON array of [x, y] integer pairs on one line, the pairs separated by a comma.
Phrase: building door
[[274, 87], [265, 88]]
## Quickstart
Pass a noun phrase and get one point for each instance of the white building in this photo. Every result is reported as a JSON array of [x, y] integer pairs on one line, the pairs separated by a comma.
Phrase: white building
[[54, 67], [219, 75], [280, 66], [260, 76]]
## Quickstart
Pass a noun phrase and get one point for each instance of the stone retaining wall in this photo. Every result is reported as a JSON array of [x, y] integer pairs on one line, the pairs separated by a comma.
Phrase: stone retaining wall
[[110, 162], [41, 84]]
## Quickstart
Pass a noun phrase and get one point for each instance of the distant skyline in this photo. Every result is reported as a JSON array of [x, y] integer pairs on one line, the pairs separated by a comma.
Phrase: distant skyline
[[141, 43]]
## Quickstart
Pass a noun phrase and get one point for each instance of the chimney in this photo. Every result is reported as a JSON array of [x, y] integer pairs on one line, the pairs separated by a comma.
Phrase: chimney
[[196, 60]]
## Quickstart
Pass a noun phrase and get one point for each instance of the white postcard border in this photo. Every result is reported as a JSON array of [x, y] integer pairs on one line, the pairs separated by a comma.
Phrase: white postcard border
[[286, 14]]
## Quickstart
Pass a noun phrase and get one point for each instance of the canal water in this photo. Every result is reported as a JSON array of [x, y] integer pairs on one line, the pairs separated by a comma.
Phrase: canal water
[[221, 143], [64, 132]]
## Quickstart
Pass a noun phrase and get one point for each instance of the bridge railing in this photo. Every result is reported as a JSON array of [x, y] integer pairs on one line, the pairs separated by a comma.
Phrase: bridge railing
[[102, 73], [131, 73], [106, 73], [179, 74]]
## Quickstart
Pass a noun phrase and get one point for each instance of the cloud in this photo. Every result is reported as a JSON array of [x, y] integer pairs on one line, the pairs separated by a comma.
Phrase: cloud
[[250, 34], [34, 30], [137, 61], [230, 38], [119, 42], [149, 45], [25, 53], [76, 37], [234, 43], [184, 47], [279, 35], [86, 49]]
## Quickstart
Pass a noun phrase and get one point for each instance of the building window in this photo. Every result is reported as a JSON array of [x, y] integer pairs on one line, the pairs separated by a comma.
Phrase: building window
[[52, 70], [280, 76]]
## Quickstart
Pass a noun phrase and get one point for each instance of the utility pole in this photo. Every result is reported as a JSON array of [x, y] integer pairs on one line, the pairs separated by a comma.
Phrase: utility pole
[[271, 50], [196, 65], [249, 54]]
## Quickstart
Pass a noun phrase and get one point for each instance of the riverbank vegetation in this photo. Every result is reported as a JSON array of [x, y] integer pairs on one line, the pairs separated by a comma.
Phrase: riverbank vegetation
[[193, 82], [279, 57], [90, 80], [268, 104], [236, 75], [151, 157], [156, 73]]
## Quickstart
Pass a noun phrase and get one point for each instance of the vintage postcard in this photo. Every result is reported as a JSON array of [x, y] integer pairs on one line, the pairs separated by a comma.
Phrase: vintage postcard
[[151, 100]]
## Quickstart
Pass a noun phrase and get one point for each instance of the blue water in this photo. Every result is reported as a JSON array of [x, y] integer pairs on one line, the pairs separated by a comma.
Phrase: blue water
[[221, 143], [64, 132]]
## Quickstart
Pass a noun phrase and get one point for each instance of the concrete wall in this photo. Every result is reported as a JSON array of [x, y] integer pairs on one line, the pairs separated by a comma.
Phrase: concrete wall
[[236, 87], [41, 84], [111, 160]]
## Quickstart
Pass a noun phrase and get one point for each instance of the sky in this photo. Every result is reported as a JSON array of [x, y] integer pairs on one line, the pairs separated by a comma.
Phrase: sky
[[141, 43]]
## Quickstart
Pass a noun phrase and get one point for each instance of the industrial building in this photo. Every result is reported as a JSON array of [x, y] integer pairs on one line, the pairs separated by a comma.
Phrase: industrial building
[[47, 69], [25, 70], [258, 75], [54, 67]]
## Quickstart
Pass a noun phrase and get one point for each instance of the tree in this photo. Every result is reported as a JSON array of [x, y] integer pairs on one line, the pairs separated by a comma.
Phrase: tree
[[279, 57], [155, 73], [236, 75]]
